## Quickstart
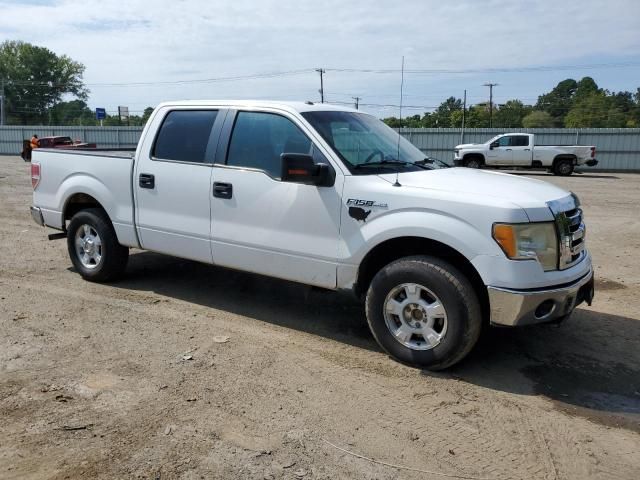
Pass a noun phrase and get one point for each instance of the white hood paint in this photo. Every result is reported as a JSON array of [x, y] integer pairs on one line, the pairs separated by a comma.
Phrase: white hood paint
[[524, 192], [467, 145]]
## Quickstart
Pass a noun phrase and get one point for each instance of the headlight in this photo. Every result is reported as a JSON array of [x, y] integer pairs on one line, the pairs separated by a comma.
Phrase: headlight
[[529, 241]]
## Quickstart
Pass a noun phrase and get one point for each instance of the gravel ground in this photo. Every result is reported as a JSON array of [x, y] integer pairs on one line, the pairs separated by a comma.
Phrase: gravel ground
[[183, 370]]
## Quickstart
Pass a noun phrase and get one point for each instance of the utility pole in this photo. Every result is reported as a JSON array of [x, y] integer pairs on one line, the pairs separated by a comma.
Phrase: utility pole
[[321, 71], [490, 85], [464, 114], [2, 104], [357, 99]]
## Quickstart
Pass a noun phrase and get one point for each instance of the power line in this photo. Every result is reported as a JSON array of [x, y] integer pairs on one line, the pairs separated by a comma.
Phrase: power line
[[169, 82], [538, 68]]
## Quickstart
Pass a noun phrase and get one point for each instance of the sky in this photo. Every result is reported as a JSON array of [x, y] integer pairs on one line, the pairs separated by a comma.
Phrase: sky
[[448, 46]]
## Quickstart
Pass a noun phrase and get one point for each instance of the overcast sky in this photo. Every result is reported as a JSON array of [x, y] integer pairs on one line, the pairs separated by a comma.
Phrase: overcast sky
[[173, 40]]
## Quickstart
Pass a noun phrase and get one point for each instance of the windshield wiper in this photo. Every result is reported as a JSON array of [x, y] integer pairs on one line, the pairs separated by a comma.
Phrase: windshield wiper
[[384, 163], [433, 161]]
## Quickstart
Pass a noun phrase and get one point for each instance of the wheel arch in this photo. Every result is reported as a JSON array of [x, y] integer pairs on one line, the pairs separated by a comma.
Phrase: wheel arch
[[478, 155], [564, 156], [80, 201], [399, 247]]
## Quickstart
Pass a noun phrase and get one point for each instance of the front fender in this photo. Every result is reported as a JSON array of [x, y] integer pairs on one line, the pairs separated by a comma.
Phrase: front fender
[[449, 230]]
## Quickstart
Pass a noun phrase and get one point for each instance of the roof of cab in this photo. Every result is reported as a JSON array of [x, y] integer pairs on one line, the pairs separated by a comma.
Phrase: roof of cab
[[287, 106]]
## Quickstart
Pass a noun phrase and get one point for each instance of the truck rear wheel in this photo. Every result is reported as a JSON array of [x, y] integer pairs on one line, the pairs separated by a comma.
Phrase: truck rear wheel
[[94, 248], [423, 312], [563, 167]]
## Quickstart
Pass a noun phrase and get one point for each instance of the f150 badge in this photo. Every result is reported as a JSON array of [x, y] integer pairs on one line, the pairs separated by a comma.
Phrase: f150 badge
[[357, 212]]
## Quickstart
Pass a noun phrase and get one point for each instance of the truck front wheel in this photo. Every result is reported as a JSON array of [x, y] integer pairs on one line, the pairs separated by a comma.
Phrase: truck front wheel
[[94, 248], [423, 312], [473, 162]]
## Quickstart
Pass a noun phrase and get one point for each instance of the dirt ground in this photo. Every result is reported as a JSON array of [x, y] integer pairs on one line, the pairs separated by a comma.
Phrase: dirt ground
[[187, 371]]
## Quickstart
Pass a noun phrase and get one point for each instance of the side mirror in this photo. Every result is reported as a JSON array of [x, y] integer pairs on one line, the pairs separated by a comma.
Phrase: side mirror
[[301, 168], [493, 145]]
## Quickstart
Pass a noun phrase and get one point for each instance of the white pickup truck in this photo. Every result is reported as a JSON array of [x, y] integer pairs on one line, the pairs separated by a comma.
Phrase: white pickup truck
[[520, 150], [333, 198]]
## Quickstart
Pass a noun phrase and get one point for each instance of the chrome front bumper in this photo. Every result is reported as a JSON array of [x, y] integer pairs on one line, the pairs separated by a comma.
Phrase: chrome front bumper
[[526, 307], [36, 214]]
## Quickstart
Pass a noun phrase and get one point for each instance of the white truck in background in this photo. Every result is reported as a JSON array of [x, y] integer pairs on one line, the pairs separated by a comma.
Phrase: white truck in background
[[330, 197], [520, 150]]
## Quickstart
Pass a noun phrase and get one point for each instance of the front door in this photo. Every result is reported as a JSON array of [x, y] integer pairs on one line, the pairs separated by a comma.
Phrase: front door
[[262, 224], [173, 184], [501, 153]]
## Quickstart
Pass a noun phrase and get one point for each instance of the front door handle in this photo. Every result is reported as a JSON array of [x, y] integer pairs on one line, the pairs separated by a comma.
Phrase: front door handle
[[222, 190], [527, 149], [147, 180], [509, 149]]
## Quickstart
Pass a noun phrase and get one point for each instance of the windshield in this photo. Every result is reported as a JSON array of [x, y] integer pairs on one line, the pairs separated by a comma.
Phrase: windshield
[[366, 145]]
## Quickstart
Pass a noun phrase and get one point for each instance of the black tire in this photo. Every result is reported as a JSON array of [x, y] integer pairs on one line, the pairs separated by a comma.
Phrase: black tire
[[563, 167], [473, 162], [455, 292], [113, 256]]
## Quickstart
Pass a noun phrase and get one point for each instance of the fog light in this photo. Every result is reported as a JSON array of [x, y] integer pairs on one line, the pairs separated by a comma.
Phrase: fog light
[[545, 309]]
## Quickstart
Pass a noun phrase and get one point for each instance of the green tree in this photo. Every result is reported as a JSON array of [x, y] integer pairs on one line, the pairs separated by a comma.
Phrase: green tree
[[477, 116], [511, 114], [35, 79], [442, 116], [146, 114], [538, 119], [596, 110], [558, 101], [75, 112], [585, 88]]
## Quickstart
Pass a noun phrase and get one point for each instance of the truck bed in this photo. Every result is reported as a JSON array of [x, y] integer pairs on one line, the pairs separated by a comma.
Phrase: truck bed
[[95, 152], [104, 175]]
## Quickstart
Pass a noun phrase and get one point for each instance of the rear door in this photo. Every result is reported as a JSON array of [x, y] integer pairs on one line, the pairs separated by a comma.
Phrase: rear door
[[173, 182], [521, 150], [262, 224]]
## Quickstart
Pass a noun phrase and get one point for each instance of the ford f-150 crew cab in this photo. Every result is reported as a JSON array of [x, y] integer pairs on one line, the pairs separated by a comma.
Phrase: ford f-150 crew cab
[[333, 198], [520, 150]]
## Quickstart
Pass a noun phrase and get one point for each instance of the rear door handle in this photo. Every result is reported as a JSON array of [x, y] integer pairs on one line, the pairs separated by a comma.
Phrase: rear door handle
[[222, 190], [147, 180], [527, 149]]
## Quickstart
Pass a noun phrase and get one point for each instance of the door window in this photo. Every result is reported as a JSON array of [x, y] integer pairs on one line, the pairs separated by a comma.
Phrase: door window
[[520, 141], [184, 136], [259, 138], [504, 141]]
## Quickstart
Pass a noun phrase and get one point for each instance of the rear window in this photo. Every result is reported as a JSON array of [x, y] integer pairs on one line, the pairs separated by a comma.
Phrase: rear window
[[184, 135]]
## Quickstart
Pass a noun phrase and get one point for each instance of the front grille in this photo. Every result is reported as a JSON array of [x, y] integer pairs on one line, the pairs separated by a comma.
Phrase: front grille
[[571, 233]]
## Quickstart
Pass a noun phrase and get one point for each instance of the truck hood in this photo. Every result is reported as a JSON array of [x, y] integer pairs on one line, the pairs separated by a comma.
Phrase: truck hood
[[467, 145], [529, 194]]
